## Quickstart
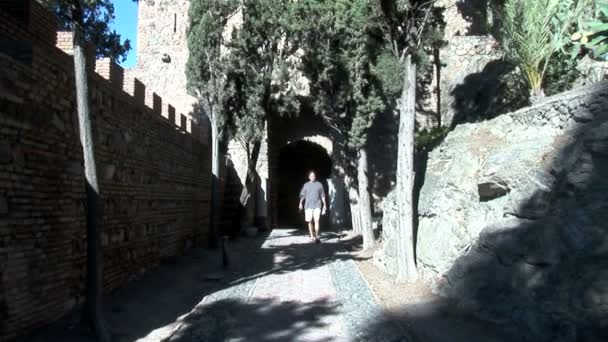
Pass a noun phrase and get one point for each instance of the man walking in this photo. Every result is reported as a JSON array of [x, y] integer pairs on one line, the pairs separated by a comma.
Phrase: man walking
[[312, 199]]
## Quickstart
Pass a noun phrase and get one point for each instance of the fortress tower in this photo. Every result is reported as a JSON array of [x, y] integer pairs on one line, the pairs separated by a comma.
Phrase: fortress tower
[[162, 50], [162, 53]]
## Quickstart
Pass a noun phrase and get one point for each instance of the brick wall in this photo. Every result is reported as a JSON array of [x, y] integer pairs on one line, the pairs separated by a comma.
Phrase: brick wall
[[154, 178]]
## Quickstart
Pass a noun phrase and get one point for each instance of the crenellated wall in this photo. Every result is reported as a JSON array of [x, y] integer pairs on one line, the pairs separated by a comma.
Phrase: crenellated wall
[[152, 162]]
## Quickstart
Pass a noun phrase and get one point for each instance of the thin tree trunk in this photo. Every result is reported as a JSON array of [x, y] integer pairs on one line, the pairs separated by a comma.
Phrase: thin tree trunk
[[365, 209], [437, 60], [406, 263], [355, 215], [93, 314], [215, 177], [353, 201], [248, 194]]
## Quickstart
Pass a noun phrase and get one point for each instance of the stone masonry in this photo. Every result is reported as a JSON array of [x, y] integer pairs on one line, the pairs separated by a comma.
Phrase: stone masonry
[[162, 54], [154, 174], [469, 49], [162, 50]]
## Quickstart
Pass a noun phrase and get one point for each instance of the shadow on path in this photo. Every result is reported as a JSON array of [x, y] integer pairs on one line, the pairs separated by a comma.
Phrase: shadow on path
[[263, 320], [154, 304], [302, 256], [176, 302], [438, 321]]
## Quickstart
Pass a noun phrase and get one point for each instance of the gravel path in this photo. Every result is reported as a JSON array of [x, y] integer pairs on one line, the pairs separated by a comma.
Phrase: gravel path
[[279, 287], [363, 317], [310, 292]]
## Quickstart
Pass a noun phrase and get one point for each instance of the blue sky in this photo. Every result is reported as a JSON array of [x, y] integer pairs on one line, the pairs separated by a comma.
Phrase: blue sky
[[126, 25]]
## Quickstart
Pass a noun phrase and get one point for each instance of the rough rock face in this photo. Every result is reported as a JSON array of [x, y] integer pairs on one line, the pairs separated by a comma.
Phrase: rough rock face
[[386, 257], [513, 218]]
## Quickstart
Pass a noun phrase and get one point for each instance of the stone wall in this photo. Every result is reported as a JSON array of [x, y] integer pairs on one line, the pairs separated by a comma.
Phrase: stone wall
[[162, 50], [469, 64], [237, 153], [470, 75], [512, 218], [154, 177], [466, 17], [162, 53]]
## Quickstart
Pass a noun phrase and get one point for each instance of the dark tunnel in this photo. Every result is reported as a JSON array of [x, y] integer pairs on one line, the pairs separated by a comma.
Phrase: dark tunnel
[[295, 161]]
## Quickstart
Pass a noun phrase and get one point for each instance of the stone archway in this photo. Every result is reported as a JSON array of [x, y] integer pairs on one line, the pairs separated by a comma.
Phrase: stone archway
[[288, 183], [296, 159]]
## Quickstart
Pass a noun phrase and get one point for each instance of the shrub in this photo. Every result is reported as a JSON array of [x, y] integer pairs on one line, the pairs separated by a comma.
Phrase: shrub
[[595, 37], [533, 32]]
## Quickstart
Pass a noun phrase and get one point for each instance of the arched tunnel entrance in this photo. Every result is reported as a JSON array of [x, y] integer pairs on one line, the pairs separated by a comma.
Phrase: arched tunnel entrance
[[295, 161]]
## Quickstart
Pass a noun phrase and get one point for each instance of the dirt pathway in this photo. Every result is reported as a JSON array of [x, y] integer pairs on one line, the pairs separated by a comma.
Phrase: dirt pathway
[[312, 292], [279, 287]]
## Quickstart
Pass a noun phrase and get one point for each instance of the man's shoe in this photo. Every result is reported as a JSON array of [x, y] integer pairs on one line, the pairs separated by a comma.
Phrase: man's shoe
[[317, 240]]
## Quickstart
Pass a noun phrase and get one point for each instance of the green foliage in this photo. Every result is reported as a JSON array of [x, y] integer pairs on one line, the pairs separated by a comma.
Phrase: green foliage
[[260, 70], [245, 77], [596, 35], [561, 73], [97, 17], [206, 68], [357, 22], [389, 71], [427, 139], [322, 63], [354, 56], [533, 32], [411, 27], [344, 63]]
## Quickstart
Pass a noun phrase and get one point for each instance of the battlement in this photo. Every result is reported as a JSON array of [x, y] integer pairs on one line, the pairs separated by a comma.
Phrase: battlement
[[162, 50], [153, 170], [28, 23]]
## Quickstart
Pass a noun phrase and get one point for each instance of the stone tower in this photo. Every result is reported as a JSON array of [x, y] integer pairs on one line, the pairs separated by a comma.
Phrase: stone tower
[[162, 50], [162, 53]]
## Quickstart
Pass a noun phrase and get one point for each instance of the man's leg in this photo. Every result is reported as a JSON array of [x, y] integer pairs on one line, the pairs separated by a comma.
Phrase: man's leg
[[317, 217], [308, 217], [311, 230]]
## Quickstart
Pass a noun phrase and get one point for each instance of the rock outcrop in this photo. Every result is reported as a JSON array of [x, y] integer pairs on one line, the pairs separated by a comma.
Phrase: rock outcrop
[[513, 218]]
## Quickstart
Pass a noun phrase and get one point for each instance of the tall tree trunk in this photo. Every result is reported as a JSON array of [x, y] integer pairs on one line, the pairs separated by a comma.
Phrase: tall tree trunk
[[355, 214], [437, 60], [353, 201], [365, 208], [248, 193], [406, 263], [93, 314], [215, 177]]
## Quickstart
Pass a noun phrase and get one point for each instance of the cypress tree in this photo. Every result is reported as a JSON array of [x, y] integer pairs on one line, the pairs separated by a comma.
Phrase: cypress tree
[[206, 74]]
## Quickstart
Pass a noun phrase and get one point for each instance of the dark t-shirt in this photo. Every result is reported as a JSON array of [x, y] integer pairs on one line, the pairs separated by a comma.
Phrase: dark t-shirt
[[312, 193]]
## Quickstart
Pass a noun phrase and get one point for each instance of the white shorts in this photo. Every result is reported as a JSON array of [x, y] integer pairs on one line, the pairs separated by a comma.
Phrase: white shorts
[[310, 213]]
